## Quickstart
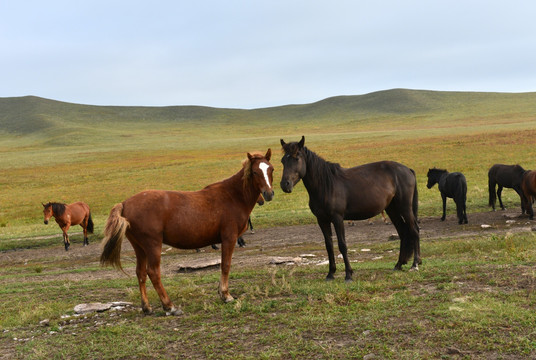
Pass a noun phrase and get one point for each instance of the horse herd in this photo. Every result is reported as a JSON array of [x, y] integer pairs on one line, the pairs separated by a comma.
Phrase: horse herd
[[219, 213]]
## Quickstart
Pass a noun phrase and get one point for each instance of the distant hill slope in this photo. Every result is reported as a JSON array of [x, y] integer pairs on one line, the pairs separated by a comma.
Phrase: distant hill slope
[[30, 114]]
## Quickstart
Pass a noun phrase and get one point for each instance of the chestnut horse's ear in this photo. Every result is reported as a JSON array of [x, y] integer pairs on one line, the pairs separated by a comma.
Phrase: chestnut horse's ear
[[283, 143], [268, 154], [250, 156], [302, 141], [43, 205]]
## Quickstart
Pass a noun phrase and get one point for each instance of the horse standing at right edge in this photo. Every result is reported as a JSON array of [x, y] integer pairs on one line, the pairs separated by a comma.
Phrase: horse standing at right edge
[[337, 194], [505, 176]]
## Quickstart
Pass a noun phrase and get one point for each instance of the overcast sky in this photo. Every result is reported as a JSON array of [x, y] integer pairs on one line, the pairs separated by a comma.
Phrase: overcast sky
[[251, 54]]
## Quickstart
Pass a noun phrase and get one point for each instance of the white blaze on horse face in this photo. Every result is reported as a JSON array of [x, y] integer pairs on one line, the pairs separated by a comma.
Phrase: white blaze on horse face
[[264, 167]]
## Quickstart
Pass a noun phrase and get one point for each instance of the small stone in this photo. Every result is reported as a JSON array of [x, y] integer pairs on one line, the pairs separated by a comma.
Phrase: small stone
[[44, 322], [485, 226]]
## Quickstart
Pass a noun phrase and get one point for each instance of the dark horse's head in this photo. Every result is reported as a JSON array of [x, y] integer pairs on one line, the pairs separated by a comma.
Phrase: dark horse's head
[[294, 166], [433, 176], [261, 173]]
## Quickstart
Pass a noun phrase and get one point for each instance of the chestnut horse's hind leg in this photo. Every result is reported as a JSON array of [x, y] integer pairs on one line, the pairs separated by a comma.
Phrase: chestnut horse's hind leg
[[84, 227], [141, 273], [153, 270]]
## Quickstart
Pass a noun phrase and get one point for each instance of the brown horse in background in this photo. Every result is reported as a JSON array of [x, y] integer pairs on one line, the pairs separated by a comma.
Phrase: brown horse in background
[[66, 215], [186, 220], [528, 185]]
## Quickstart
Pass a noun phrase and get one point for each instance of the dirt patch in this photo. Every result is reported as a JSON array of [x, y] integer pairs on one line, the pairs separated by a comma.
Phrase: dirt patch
[[264, 244]]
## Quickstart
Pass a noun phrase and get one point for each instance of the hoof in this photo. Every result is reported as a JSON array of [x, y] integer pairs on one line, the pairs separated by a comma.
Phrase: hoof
[[147, 311], [174, 312], [414, 268], [330, 278], [348, 280], [227, 299]]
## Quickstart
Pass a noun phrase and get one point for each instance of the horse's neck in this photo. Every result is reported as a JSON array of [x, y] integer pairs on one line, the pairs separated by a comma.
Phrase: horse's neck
[[313, 174], [245, 193]]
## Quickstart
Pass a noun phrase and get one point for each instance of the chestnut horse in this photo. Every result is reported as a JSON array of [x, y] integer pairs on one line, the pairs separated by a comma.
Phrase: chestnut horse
[[186, 220], [66, 215], [337, 194], [528, 185]]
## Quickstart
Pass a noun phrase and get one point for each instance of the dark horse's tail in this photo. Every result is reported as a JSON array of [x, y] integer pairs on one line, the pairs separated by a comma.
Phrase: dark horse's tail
[[114, 232], [491, 189], [90, 224], [415, 200], [409, 235]]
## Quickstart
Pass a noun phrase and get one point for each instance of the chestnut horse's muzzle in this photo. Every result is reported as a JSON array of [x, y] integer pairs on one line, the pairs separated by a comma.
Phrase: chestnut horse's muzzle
[[268, 195], [46, 222]]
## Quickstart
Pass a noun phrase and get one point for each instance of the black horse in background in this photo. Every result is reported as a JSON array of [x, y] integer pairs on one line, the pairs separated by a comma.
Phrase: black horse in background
[[452, 185], [505, 176], [337, 194]]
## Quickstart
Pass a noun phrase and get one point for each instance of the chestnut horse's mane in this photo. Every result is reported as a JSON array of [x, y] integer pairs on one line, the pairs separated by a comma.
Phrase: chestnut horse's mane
[[57, 208], [246, 165]]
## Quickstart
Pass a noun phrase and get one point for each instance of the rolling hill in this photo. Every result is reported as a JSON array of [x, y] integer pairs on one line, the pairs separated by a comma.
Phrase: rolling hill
[[30, 114]]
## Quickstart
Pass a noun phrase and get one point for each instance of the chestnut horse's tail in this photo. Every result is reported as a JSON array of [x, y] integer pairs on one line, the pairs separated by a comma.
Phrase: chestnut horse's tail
[[90, 224], [114, 232]]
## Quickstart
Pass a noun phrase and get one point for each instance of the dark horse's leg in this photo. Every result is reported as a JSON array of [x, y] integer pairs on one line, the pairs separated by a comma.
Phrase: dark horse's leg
[[460, 205], [444, 198], [250, 226], [325, 226], [408, 230], [338, 224], [499, 192]]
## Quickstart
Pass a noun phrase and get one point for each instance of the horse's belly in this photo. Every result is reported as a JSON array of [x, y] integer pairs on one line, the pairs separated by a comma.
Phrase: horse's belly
[[190, 237]]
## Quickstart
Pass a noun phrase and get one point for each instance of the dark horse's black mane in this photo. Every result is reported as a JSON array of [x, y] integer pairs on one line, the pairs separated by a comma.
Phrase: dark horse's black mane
[[57, 208], [323, 173]]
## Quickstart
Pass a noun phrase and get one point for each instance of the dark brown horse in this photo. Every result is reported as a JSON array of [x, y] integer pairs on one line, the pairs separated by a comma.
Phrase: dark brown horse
[[528, 185], [66, 215], [187, 220], [358, 193], [505, 176]]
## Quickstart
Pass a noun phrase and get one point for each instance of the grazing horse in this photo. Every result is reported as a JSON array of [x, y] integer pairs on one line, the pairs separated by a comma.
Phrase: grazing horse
[[505, 176], [187, 220], [66, 215], [452, 185], [337, 194], [528, 185]]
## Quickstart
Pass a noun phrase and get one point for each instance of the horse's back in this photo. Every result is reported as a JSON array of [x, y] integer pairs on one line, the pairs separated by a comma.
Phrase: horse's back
[[506, 175], [78, 212], [371, 187]]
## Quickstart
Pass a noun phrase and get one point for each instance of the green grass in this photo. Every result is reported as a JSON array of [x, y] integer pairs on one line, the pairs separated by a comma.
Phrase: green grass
[[474, 296], [479, 302]]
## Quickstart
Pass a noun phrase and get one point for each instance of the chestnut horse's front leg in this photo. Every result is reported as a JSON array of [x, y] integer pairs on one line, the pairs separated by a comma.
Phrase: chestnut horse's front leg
[[227, 248], [66, 241]]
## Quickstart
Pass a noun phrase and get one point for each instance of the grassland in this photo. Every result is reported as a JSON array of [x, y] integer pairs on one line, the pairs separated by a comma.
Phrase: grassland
[[53, 151], [474, 293]]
